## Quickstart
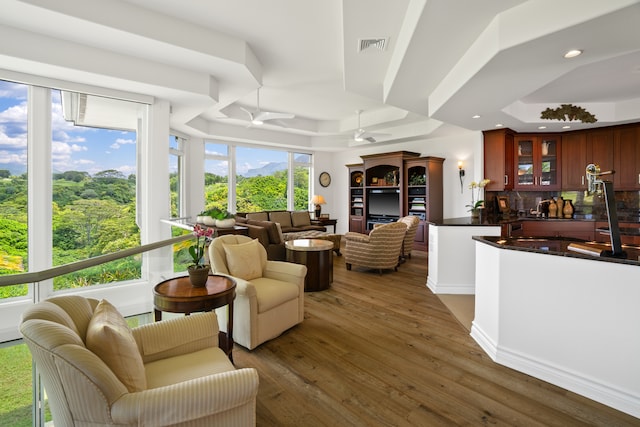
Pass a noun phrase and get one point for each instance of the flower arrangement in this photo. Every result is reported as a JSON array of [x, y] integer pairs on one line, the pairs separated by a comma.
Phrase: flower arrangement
[[476, 186], [197, 251]]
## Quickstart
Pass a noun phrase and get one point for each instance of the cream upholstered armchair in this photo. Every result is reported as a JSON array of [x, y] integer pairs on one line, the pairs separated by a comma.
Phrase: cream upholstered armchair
[[97, 371], [379, 250], [412, 223], [269, 294]]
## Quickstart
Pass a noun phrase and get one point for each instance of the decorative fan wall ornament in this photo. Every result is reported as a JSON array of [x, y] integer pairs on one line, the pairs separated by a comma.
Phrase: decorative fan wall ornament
[[568, 112]]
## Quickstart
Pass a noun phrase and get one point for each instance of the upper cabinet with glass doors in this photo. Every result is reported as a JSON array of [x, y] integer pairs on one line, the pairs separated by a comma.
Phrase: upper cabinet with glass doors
[[537, 162]]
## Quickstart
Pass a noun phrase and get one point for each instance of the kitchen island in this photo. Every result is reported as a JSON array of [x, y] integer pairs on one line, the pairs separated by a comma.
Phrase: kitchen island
[[561, 316], [452, 252]]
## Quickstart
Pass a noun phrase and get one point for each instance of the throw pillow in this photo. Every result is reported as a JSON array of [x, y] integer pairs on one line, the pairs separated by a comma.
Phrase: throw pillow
[[243, 260], [300, 218], [258, 216], [111, 339], [281, 217]]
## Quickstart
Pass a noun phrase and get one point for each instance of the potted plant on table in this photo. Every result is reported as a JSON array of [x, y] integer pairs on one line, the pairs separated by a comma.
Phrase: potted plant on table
[[476, 206], [199, 271], [223, 218]]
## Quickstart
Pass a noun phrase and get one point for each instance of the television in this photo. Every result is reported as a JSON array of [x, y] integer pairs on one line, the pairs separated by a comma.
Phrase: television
[[384, 203]]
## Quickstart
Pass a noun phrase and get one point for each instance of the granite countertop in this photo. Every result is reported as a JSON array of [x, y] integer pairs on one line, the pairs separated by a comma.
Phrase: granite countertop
[[558, 246]]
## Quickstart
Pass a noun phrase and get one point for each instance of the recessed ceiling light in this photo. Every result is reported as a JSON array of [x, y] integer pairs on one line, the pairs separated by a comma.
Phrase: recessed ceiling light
[[566, 127], [542, 127], [477, 116], [572, 53], [499, 125]]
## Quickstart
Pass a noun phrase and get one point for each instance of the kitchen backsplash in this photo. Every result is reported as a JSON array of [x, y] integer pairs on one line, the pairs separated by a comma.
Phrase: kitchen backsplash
[[586, 206]]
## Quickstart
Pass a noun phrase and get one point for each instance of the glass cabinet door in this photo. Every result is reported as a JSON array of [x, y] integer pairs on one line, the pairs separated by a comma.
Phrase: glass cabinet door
[[525, 161], [549, 163], [537, 160]]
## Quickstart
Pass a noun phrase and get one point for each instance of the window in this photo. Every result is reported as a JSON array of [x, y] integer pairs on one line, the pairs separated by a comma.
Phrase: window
[[216, 176], [13, 184], [94, 187], [262, 177], [176, 178]]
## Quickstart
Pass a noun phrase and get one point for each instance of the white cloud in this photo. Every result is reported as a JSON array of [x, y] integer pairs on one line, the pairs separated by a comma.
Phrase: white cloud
[[120, 142]]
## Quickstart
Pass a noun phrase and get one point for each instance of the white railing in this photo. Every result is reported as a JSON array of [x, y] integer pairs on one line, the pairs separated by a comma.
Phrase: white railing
[[38, 276]]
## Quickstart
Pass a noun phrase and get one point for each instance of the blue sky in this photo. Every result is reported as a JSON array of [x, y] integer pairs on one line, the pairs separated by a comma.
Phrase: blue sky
[[73, 148], [89, 149]]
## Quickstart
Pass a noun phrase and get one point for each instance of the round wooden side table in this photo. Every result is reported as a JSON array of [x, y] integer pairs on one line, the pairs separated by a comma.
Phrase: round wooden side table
[[316, 255], [178, 296]]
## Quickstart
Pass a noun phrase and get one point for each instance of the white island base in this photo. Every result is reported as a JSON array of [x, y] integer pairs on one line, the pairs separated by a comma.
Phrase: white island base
[[452, 257], [569, 321]]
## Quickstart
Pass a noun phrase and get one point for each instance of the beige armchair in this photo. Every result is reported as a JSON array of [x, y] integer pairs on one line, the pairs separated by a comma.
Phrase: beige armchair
[[379, 250], [412, 223], [269, 294], [97, 371]]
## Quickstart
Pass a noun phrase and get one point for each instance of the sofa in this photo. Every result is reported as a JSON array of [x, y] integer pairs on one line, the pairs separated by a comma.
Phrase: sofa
[[272, 227]]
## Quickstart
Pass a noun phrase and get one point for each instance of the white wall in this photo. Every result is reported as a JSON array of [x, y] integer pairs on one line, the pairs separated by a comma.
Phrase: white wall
[[465, 146]]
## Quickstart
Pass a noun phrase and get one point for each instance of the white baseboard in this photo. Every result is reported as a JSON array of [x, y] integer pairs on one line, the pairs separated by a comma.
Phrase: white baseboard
[[454, 289], [603, 393]]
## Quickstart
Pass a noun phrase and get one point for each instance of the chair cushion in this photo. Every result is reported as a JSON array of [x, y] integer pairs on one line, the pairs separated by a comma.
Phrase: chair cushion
[[271, 293], [281, 217], [243, 260], [111, 339], [300, 218], [185, 367]]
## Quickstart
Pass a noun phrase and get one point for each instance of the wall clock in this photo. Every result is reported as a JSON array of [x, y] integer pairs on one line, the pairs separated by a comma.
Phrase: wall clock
[[325, 179]]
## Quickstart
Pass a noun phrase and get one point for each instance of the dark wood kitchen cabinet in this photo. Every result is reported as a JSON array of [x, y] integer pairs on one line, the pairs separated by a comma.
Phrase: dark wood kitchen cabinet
[[498, 159], [627, 158], [582, 148], [559, 228]]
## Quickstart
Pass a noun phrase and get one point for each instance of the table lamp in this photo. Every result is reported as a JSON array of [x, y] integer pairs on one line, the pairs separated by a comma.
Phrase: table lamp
[[318, 201]]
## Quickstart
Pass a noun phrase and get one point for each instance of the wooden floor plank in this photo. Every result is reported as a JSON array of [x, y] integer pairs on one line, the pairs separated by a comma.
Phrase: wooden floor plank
[[382, 350]]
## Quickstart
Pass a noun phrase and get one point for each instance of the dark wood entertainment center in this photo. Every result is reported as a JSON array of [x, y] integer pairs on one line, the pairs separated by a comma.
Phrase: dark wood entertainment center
[[388, 186]]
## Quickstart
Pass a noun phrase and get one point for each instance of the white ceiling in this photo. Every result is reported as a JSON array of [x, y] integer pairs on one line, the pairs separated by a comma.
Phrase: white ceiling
[[445, 61]]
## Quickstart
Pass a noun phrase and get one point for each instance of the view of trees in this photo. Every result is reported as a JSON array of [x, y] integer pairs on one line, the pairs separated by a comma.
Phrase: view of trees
[[95, 215]]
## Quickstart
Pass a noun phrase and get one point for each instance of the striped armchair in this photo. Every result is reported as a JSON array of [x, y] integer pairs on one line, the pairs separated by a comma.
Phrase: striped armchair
[[97, 371], [412, 227], [379, 250]]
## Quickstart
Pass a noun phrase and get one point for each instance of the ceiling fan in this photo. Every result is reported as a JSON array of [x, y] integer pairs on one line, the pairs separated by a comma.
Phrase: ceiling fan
[[362, 135], [258, 117]]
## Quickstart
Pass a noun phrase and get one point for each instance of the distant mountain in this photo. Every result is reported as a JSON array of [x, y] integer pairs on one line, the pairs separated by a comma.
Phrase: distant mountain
[[266, 170]]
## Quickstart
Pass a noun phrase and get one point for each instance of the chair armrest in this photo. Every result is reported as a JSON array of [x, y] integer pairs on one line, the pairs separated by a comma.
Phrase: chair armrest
[[187, 401], [180, 335], [285, 271], [356, 237], [243, 287]]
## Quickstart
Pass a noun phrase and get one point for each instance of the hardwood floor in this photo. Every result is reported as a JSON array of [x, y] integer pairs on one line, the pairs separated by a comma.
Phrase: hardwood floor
[[384, 351]]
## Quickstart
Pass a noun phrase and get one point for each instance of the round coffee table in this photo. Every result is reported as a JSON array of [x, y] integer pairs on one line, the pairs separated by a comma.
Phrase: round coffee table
[[316, 255], [178, 296]]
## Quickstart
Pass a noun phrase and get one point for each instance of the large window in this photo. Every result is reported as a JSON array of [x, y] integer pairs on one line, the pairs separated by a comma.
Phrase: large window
[[94, 188], [13, 184], [216, 176], [176, 183]]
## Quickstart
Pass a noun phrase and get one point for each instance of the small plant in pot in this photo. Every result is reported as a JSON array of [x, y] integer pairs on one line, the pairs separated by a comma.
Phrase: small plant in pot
[[223, 218], [199, 271]]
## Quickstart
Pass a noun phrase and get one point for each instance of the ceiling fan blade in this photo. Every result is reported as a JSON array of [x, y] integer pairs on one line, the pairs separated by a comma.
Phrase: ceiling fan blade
[[362, 135], [248, 112], [270, 115]]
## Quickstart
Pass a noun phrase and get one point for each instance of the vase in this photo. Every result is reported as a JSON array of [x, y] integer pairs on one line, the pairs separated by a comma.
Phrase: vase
[[475, 213], [560, 206], [207, 220], [568, 209], [225, 223], [198, 275]]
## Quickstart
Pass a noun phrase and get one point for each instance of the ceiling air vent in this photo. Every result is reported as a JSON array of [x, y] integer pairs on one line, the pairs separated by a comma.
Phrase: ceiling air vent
[[378, 44]]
